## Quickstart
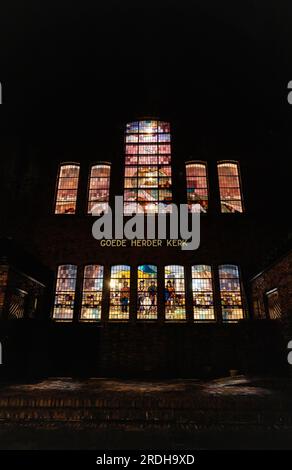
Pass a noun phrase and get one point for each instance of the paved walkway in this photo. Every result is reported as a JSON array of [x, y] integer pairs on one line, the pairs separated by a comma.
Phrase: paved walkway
[[229, 386], [226, 413]]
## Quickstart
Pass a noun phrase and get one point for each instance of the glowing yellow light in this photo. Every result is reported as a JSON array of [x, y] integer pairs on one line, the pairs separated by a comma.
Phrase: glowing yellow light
[[150, 207]]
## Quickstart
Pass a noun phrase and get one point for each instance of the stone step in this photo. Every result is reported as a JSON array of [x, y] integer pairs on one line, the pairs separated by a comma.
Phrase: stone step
[[141, 416]]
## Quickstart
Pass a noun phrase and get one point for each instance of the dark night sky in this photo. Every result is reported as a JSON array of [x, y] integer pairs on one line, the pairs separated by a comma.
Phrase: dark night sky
[[224, 65], [217, 70]]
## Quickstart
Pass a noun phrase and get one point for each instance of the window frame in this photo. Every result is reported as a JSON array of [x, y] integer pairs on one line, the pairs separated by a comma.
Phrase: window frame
[[62, 164], [237, 163], [103, 293], [267, 295], [123, 320], [242, 297], [173, 320], [137, 166], [205, 163], [215, 319], [64, 320], [97, 163], [139, 320]]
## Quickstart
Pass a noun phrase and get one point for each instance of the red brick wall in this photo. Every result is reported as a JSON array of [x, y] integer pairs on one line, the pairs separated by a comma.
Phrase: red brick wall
[[278, 276]]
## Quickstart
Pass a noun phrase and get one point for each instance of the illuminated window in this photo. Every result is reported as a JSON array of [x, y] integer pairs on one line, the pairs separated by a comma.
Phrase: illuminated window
[[147, 292], [174, 293], [67, 189], [229, 184], [147, 184], [92, 293], [65, 292], [230, 289], [197, 187], [202, 286], [99, 183], [119, 293]]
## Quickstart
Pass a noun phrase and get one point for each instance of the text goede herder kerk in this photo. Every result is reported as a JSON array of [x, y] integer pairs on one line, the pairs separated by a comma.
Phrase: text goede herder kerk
[[136, 243]]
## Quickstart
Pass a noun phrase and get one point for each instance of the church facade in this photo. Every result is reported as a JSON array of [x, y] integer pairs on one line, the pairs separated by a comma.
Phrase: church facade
[[132, 307]]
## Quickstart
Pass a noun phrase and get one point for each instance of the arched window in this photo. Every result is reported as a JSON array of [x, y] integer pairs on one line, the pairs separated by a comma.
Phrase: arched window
[[147, 292], [92, 293], [202, 286], [120, 292], [147, 184], [174, 293], [98, 194], [65, 292], [67, 187], [229, 185], [197, 186], [230, 289]]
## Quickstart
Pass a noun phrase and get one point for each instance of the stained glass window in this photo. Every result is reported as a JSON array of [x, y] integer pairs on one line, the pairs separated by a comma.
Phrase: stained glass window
[[119, 293], [99, 183], [147, 292], [67, 188], [230, 289], [174, 293], [92, 293], [148, 183], [65, 292], [229, 185], [197, 187], [202, 286]]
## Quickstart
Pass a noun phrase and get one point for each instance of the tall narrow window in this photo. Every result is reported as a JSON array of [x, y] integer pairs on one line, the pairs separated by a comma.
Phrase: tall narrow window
[[99, 183], [17, 302], [67, 188], [273, 304], [174, 293], [230, 289], [197, 187], [147, 292], [202, 285], [119, 293], [147, 167], [65, 292], [230, 190], [92, 293]]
